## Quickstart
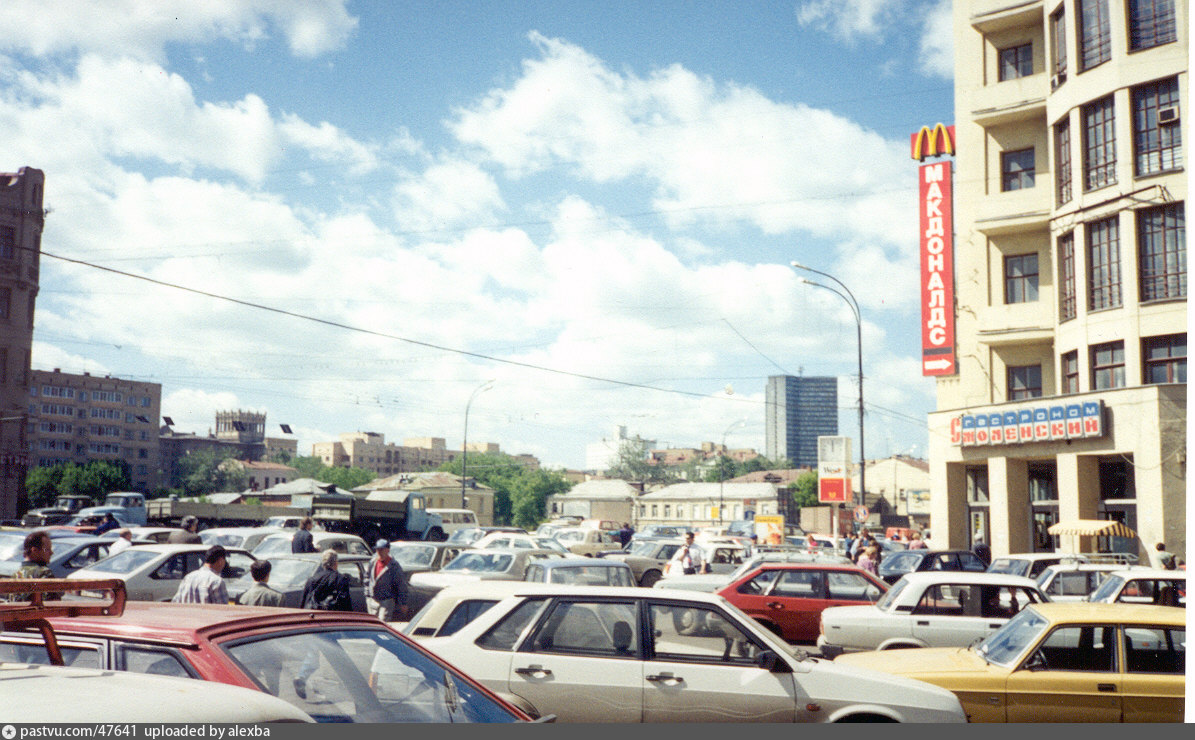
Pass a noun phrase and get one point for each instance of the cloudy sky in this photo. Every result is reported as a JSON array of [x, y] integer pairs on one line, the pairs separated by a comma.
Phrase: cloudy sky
[[350, 215]]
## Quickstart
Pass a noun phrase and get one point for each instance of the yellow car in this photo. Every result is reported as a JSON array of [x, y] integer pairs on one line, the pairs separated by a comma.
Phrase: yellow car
[[1060, 662]]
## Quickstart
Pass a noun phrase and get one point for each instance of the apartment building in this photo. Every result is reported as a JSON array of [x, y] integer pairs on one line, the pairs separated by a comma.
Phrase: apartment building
[[1069, 399], [798, 411], [79, 418], [370, 451]]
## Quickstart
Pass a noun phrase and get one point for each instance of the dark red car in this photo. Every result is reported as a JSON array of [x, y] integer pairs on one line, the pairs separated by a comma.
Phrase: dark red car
[[788, 598], [335, 666]]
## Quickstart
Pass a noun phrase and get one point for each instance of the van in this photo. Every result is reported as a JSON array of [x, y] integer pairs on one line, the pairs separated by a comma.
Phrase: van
[[454, 519]]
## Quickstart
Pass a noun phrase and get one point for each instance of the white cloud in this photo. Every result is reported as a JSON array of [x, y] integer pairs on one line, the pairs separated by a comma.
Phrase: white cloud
[[328, 143], [143, 29], [446, 195], [45, 356], [194, 411], [937, 41], [849, 19]]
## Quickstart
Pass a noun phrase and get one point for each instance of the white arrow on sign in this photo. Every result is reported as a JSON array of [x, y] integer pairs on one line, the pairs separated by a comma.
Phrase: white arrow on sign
[[937, 364]]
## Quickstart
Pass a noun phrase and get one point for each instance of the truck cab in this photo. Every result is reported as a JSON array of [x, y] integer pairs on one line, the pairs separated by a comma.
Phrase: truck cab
[[64, 508], [393, 514], [128, 508]]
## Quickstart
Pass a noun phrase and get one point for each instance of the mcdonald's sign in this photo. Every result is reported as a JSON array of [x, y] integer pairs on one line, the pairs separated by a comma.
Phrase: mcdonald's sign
[[932, 142]]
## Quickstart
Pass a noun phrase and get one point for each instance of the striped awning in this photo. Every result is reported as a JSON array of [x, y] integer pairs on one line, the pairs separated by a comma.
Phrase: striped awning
[[1092, 528]]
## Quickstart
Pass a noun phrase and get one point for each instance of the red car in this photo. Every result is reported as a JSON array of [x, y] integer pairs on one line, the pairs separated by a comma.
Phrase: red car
[[335, 666], [788, 598]]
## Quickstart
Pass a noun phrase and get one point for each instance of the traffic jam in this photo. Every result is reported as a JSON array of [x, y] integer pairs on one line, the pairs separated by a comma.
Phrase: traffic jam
[[498, 624]]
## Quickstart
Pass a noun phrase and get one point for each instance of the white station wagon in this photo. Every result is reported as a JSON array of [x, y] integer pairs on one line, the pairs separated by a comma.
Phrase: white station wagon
[[928, 609]]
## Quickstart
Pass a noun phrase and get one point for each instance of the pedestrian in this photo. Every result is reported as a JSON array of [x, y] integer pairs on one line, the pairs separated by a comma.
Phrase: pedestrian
[[386, 586], [1163, 559], [107, 525], [124, 540], [188, 535], [625, 534], [982, 551], [326, 590], [205, 584], [303, 540], [260, 593], [916, 543], [38, 548], [690, 557], [869, 560]]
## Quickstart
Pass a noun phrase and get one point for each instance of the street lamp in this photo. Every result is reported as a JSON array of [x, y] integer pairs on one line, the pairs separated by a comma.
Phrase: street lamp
[[722, 469], [465, 443], [854, 304]]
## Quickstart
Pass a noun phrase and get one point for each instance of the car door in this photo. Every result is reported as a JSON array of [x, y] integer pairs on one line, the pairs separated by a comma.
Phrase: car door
[[702, 668], [753, 596], [795, 603], [582, 662], [1154, 673], [1070, 677], [356, 575], [951, 614]]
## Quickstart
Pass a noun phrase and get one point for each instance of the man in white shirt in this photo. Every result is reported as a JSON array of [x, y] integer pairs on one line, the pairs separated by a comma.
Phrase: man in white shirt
[[124, 540], [690, 557], [204, 585]]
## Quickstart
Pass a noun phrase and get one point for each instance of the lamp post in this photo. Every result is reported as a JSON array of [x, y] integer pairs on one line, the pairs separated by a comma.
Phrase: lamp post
[[722, 470], [465, 443], [854, 304]]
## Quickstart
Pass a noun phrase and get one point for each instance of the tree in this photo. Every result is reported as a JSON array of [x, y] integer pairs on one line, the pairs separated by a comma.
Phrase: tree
[[632, 464], [201, 473], [804, 489], [520, 494], [41, 485], [308, 466], [723, 470], [346, 479]]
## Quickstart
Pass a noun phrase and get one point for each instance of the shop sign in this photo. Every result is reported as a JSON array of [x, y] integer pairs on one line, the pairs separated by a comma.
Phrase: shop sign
[[1027, 425]]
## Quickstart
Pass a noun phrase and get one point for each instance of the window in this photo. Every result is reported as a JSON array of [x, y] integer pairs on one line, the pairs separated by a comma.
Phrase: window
[[8, 242], [590, 628], [693, 633], [1062, 159], [1024, 382], [1103, 264], [1020, 278], [151, 661], [1066, 277], [1155, 650], [1165, 359], [1016, 169], [1107, 366], [1151, 23], [845, 586], [800, 584], [505, 634], [1095, 35], [1016, 61], [1070, 372], [1058, 42], [1162, 242], [1099, 144], [1157, 136], [1086, 648]]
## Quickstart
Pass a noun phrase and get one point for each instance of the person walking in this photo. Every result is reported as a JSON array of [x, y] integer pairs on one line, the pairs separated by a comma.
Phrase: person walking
[[303, 541], [386, 587], [188, 535], [916, 543], [124, 540], [690, 557], [326, 590], [625, 534], [869, 560], [38, 548], [982, 551], [205, 585], [1161, 558], [260, 593]]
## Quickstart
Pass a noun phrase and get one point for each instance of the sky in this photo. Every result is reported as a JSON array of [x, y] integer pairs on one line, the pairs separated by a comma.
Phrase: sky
[[352, 215]]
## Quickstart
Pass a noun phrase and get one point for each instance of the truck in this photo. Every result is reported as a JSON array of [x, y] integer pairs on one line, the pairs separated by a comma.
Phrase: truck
[[127, 506], [170, 512], [64, 508]]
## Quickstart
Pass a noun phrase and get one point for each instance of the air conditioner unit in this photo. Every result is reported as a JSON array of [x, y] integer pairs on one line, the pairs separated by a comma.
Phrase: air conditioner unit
[[1056, 80], [1169, 114]]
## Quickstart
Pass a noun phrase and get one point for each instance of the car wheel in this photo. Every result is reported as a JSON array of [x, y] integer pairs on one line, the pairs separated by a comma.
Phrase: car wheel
[[649, 578]]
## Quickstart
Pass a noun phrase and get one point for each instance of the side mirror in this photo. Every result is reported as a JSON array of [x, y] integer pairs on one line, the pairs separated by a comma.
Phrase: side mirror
[[1036, 662], [772, 663]]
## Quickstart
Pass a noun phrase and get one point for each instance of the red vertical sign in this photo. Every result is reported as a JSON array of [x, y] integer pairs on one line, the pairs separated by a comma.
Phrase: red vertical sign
[[937, 269]]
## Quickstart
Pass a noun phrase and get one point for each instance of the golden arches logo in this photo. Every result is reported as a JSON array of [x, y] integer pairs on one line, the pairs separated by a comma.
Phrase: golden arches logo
[[933, 142]]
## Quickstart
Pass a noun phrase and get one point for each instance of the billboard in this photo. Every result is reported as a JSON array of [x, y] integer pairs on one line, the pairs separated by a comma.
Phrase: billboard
[[833, 469], [1074, 420], [935, 207]]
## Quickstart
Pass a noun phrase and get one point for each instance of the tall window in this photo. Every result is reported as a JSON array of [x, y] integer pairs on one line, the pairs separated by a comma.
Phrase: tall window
[[1107, 366], [1016, 61], [1024, 382], [8, 242], [1151, 23], [1062, 159], [1016, 169], [1103, 264], [1157, 136], [1165, 359], [1020, 278], [1070, 372], [1099, 144], [1162, 245], [1095, 34], [1066, 277], [1058, 42]]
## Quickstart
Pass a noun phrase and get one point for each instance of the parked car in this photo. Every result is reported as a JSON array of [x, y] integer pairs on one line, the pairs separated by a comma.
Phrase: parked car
[[159, 535], [472, 566], [244, 538], [69, 553], [720, 558], [523, 541], [581, 572], [1143, 586], [153, 572], [1031, 564], [936, 609], [651, 531], [646, 558], [362, 670], [345, 544], [289, 574], [788, 598], [895, 564], [1074, 580], [712, 582], [587, 541], [290, 522], [596, 654], [455, 606], [421, 557], [1078, 662], [467, 536]]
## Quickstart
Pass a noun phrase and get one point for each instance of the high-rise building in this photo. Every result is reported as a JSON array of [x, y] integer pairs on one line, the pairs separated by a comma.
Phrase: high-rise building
[[799, 410], [1069, 401], [21, 221]]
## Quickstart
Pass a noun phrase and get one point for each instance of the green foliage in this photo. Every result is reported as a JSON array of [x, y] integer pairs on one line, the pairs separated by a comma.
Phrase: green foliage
[[729, 468], [346, 479], [632, 465], [253, 501], [520, 494], [804, 489], [96, 479], [41, 485], [199, 474], [308, 466]]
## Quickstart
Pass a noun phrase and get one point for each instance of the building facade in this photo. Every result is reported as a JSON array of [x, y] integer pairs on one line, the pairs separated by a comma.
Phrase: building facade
[[79, 418], [21, 221], [370, 451], [692, 505], [799, 410], [1070, 275]]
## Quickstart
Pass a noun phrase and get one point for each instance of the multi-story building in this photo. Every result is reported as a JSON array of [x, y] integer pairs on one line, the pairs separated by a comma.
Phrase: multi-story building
[[370, 451], [79, 418], [21, 221], [239, 434], [1069, 401], [799, 410]]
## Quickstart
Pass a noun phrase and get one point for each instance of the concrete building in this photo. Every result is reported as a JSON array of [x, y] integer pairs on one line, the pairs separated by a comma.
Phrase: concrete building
[[261, 475], [697, 504], [22, 219], [239, 434], [370, 451], [897, 486], [597, 499], [1069, 400], [78, 418], [799, 410]]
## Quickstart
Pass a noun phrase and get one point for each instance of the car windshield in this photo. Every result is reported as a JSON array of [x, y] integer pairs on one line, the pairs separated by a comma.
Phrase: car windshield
[[899, 562], [888, 601], [643, 548], [481, 562], [1108, 589], [414, 555], [1004, 645], [286, 574], [12, 548], [465, 536], [591, 575], [1010, 566], [362, 675], [273, 545], [124, 562], [569, 536]]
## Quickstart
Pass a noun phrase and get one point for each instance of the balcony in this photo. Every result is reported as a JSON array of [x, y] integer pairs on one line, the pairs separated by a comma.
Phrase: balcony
[[1011, 101], [990, 16]]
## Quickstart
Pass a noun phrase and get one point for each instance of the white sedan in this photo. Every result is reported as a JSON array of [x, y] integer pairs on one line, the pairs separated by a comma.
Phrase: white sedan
[[280, 544], [153, 572], [928, 609], [602, 654]]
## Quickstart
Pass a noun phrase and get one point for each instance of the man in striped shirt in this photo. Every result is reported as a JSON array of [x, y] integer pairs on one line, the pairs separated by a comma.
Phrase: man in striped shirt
[[204, 584]]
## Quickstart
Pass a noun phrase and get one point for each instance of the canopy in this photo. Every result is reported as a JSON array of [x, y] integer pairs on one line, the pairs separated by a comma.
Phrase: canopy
[[1092, 528]]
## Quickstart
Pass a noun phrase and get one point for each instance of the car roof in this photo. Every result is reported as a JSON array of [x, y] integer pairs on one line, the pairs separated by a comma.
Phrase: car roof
[[809, 565], [1038, 556], [175, 548], [1086, 611], [316, 557], [926, 577], [583, 563], [1145, 573]]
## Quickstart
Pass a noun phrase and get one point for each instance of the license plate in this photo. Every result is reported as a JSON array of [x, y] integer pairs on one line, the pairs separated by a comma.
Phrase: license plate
[[92, 594]]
